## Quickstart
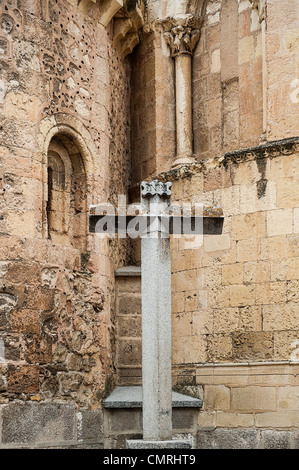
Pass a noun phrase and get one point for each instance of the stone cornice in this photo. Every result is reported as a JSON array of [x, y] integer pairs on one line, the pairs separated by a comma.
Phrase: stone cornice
[[269, 150], [128, 24]]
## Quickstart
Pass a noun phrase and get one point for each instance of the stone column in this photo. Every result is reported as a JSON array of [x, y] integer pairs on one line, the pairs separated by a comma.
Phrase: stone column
[[260, 6], [182, 34], [156, 318]]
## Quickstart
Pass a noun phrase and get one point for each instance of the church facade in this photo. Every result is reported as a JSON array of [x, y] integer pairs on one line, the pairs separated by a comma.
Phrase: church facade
[[97, 96]]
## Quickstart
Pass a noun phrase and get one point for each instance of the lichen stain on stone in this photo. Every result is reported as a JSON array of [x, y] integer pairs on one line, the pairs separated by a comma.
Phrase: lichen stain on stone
[[261, 185]]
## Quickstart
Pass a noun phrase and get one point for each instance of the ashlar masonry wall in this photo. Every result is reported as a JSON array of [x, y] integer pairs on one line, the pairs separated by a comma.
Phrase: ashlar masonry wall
[[235, 299], [235, 311]]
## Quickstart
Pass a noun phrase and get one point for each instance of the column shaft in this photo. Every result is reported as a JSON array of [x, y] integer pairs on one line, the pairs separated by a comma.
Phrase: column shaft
[[183, 65], [156, 338]]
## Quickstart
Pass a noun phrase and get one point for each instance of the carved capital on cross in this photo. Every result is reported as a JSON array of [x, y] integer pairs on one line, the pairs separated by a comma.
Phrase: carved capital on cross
[[150, 189], [260, 6], [182, 33]]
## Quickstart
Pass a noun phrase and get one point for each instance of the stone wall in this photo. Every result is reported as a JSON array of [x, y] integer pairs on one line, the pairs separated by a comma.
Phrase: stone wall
[[65, 87], [235, 303], [245, 86], [128, 326]]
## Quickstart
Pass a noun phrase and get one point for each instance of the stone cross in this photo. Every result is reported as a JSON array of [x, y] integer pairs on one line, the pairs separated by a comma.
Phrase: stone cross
[[157, 219]]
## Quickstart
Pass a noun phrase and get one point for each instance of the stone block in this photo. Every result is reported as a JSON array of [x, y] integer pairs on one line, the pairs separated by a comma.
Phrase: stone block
[[216, 398], [129, 305], [219, 348], [217, 243], [90, 425], [271, 293], [232, 274], [286, 345], [129, 284], [246, 49], [276, 440], [252, 346], [248, 250], [183, 418], [130, 327], [234, 420], [253, 398], [287, 193], [25, 321], [120, 421], [225, 320], [228, 439], [206, 420], [129, 352], [250, 318], [53, 422], [23, 273], [279, 222], [257, 272], [281, 316], [242, 295], [248, 226], [293, 291], [216, 63], [288, 398], [23, 379], [274, 248], [278, 419], [293, 246]]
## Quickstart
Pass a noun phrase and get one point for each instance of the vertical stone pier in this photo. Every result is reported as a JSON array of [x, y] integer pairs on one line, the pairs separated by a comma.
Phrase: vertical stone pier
[[156, 318]]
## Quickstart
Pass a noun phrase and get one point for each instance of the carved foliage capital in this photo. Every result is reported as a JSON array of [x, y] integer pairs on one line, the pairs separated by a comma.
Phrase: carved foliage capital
[[182, 33]]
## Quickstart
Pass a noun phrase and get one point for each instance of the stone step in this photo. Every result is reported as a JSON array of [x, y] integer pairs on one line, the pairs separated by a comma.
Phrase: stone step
[[131, 397]]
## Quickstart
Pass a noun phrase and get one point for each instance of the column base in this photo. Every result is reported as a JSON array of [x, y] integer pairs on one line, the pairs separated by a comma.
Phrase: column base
[[183, 160], [172, 444]]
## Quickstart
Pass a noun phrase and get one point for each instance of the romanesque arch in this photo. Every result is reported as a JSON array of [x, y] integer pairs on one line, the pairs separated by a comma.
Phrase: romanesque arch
[[68, 160]]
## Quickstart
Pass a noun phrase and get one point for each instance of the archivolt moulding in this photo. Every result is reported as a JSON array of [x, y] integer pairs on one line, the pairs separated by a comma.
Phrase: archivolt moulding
[[71, 127]]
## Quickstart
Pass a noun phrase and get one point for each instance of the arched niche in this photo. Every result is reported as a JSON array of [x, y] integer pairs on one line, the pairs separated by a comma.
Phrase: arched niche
[[66, 208], [69, 174]]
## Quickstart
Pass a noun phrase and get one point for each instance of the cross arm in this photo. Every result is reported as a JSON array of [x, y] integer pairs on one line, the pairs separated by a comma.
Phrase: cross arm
[[204, 221]]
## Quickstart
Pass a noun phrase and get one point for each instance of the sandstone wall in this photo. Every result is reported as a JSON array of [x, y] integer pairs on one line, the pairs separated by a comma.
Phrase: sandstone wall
[[62, 81], [245, 85], [235, 300]]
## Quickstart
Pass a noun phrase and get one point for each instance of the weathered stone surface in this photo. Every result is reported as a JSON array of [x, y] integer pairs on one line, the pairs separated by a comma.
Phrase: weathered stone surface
[[174, 444], [228, 439], [276, 440], [90, 425], [52, 422]]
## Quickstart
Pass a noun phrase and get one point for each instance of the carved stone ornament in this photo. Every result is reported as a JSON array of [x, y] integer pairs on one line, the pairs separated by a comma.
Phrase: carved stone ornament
[[182, 33], [155, 188]]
